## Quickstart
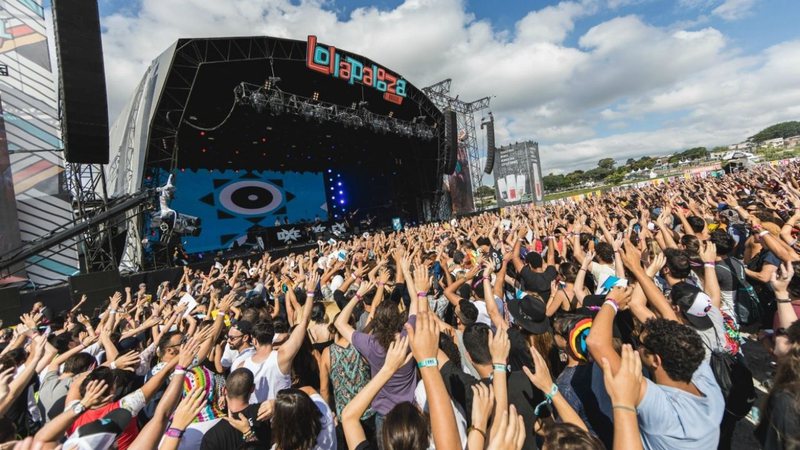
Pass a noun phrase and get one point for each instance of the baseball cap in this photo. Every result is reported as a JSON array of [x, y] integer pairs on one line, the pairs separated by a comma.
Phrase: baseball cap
[[101, 433], [693, 303]]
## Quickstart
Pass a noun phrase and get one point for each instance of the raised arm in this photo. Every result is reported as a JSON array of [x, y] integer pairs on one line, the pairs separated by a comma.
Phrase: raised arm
[[288, 350], [543, 381]]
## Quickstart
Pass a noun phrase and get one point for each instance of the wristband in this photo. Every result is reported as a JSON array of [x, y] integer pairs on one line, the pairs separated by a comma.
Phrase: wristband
[[624, 408], [113, 365], [552, 393], [174, 433], [612, 303], [472, 428], [763, 233], [358, 296], [428, 362], [500, 367], [710, 264], [422, 294], [309, 293], [180, 367], [178, 372], [548, 400], [354, 276], [380, 283], [249, 435], [783, 300]]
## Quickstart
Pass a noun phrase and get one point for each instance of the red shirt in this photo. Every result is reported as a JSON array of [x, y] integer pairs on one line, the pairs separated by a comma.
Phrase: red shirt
[[124, 440]]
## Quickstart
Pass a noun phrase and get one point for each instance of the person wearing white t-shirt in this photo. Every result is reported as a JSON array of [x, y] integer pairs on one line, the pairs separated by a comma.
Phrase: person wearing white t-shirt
[[301, 418], [238, 346], [272, 369]]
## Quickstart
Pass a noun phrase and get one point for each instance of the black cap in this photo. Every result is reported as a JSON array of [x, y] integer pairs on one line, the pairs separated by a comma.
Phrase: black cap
[[693, 303], [530, 313]]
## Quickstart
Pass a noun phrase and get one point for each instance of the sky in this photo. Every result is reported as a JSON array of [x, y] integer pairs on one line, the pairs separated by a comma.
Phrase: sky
[[587, 79]]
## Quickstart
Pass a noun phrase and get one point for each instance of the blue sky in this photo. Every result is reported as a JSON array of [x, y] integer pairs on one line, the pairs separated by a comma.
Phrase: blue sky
[[585, 78]]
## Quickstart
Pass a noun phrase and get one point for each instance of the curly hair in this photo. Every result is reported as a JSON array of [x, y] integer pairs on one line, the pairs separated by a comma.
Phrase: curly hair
[[566, 436], [679, 346], [387, 322]]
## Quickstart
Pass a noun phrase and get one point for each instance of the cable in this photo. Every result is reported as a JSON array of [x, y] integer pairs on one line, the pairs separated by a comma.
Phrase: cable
[[198, 127]]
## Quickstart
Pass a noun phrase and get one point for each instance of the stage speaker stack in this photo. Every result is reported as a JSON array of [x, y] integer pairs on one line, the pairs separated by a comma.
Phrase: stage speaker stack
[[10, 306], [490, 148], [97, 286], [451, 140], [84, 114]]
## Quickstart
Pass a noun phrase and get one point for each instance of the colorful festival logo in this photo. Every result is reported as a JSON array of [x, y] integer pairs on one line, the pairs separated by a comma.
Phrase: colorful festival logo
[[326, 60]]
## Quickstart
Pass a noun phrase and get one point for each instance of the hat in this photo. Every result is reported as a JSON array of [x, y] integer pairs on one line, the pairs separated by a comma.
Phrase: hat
[[100, 434], [694, 304], [529, 313], [577, 339]]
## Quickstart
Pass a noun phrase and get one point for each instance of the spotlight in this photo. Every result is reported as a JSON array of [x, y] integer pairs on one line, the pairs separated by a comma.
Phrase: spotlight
[[339, 183], [315, 97], [341, 202]]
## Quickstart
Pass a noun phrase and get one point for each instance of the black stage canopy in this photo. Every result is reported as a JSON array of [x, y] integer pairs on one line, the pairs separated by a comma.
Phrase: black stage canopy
[[208, 118]]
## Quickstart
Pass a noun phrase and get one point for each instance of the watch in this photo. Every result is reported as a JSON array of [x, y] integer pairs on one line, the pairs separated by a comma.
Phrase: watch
[[78, 408]]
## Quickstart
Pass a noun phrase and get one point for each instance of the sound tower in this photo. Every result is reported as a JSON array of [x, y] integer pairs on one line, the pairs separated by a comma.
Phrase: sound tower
[[97, 286], [10, 306], [84, 109], [490, 148], [451, 140]]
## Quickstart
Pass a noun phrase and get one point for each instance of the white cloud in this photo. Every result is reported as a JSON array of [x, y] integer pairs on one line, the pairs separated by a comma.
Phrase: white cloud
[[690, 87], [734, 9]]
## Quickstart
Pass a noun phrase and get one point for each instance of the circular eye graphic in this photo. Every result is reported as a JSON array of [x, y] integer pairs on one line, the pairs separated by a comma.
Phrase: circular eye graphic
[[250, 197]]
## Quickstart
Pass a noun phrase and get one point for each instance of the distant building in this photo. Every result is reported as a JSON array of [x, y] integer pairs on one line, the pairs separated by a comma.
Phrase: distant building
[[745, 146], [772, 143], [791, 142]]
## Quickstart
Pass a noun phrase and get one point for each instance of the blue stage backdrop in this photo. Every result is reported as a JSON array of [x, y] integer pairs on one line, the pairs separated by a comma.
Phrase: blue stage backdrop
[[229, 203]]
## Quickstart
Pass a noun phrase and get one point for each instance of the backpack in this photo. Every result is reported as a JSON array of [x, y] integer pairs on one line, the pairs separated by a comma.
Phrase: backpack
[[734, 378], [747, 305]]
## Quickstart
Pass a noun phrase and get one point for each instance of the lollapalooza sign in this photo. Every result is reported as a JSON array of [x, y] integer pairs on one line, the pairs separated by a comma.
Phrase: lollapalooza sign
[[326, 60]]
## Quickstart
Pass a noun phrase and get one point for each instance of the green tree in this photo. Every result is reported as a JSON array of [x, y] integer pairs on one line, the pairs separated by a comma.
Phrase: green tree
[[606, 163], [615, 178], [779, 130], [485, 191]]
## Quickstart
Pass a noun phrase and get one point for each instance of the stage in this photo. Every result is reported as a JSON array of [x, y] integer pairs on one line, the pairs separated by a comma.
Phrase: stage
[[259, 132]]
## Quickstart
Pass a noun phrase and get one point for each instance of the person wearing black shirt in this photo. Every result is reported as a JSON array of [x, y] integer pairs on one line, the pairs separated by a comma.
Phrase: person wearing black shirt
[[535, 275], [227, 434]]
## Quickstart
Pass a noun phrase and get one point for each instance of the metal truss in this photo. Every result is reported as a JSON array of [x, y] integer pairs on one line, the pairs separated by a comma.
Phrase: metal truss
[[87, 186], [439, 94]]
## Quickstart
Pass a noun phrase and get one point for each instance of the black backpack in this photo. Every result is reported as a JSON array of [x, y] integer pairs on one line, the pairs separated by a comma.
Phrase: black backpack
[[735, 380], [747, 306]]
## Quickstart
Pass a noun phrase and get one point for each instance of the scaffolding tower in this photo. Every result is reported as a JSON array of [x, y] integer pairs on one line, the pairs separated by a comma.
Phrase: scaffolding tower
[[439, 94]]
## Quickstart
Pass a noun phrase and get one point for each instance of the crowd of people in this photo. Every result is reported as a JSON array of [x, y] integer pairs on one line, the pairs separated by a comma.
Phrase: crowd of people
[[617, 322]]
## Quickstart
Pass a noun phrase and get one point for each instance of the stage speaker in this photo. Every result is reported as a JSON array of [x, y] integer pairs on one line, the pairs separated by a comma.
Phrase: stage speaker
[[451, 140], [10, 306], [490, 148], [84, 112], [97, 286]]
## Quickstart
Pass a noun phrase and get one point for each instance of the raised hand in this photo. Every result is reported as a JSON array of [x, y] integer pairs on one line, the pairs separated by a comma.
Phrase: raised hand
[[540, 376], [189, 407], [510, 432], [482, 406], [128, 361], [5, 379], [708, 252], [312, 281], [499, 345], [424, 338], [624, 387], [241, 423], [95, 394], [397, 355], [422, 279]]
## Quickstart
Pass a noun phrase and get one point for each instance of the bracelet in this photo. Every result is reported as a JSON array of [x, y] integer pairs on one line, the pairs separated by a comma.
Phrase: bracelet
[[470, 429], [358, 296], [428, 362], [500, 367], [380, 283], [582, 269], [763, 233], [309, 293], [783, 300], [612, 303], [354, 276], [178, 372], [249, 435], [422, 294], [174, 433], [552, 393], [710, 264], [180, 367], [624, 408]]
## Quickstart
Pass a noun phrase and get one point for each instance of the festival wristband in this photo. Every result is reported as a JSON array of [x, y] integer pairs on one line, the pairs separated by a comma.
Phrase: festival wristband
[[552, 393], [624, 408], [174, 433], [612, 303], [180, 367], [500, 367], [783, 300], [763, 233], [178, 372], [710, 264], [422, 294], [428, 362], [309, 293]]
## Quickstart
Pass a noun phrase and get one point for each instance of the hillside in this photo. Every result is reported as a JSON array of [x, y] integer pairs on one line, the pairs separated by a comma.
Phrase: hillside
[[780, 130]]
